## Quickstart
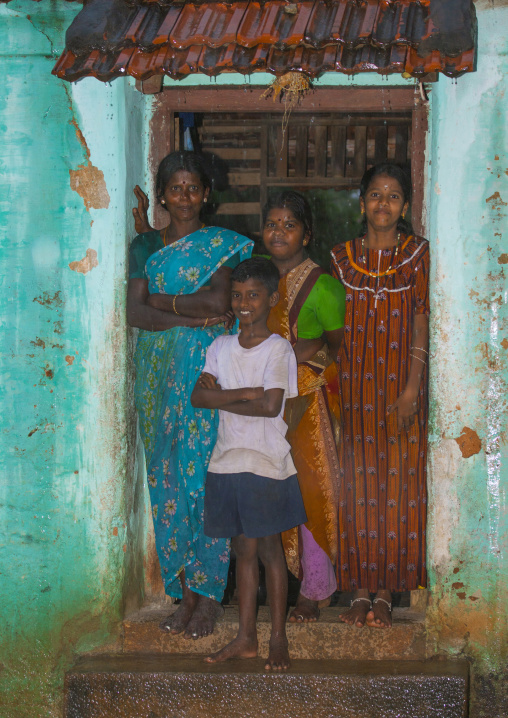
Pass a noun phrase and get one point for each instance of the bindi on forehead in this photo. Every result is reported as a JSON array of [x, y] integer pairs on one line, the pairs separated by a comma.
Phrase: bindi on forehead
[[281, 215], [388, 184]]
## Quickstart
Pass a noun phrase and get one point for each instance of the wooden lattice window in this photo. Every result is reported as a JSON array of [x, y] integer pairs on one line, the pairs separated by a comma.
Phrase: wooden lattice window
[[331, 138]]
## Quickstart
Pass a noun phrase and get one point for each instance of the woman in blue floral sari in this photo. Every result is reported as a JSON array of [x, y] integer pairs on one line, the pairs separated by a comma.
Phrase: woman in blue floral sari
[[178, 321]]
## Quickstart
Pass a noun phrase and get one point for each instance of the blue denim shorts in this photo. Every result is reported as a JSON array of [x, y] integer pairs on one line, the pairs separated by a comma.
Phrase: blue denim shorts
[[252, 505]]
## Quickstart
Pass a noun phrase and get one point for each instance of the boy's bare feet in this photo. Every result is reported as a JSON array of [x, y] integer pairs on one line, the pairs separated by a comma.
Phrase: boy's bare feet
[[305, 611], [177, 622], [380, 615], [203, 619], [278, 656], [357, 614], [241, 647]]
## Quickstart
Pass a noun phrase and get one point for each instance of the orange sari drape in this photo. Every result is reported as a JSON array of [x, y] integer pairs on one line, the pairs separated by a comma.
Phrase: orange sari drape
[[313, 423]]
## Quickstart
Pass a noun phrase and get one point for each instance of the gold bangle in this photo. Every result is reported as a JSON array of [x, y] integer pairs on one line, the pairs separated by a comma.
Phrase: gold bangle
[[206, 322], [174, 305]]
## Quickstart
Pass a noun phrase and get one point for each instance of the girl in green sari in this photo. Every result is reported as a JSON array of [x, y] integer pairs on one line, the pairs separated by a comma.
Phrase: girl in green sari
[[177, 323]]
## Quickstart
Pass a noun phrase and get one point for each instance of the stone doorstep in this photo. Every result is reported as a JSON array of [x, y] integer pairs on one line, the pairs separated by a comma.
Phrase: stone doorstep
[[172, 686], [328, 638]]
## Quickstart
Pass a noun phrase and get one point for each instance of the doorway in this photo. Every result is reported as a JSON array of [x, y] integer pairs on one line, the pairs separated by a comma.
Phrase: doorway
[[330, 140]]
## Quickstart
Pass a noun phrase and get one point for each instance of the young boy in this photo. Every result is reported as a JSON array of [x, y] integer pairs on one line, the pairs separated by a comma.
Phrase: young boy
[[251, 490]]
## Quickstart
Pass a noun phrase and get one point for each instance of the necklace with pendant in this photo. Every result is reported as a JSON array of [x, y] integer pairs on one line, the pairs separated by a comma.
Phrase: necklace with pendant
[[380, 274], [377, 275]]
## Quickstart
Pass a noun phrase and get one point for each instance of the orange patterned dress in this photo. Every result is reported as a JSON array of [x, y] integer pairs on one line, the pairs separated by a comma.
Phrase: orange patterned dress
[[382, 494]]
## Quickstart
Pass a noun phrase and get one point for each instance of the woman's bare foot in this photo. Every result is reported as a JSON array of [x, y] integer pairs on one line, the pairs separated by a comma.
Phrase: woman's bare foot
[[241, 647], [305, 611], [177, 622], [380, 615], [204, 618], [357, 614], [278, 655]]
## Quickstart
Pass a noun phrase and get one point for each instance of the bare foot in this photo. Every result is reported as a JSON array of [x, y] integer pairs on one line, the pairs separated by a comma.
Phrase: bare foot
[[357, 614], [241, 647], [204, 618], [278, 656], [305, 611], [177, 622], [380, 616]]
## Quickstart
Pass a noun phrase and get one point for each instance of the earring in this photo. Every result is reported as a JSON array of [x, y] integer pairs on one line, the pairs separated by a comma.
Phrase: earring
[[205, 200], [403, 215], [163, 201], [362, 211]]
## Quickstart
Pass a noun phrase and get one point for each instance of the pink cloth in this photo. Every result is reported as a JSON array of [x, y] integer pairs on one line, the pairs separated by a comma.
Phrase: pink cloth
[[319, 580]]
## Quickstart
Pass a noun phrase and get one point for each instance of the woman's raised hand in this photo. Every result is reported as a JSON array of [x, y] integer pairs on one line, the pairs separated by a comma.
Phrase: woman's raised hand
[[140, 213]]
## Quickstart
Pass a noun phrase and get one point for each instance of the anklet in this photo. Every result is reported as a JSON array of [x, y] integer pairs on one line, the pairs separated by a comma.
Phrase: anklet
[[360, 599], [388, 603]]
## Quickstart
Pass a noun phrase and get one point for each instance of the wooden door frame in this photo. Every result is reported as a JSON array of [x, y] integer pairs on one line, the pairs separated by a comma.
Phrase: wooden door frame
[[246, 98]]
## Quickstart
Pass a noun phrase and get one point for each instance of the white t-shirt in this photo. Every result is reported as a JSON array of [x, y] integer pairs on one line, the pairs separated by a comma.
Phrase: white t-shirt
[[255, 444]]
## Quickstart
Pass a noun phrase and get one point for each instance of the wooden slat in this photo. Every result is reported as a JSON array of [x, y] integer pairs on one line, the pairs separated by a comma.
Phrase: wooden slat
[[349, 118], [401, 145], [176, 134], [324, 99], [418, 138], [263, 171], [239, 208], [281, 153], [338, 137], [360, 158], [238, 153], [233, 128], [320, 143], [250, 179], [301, 151], [339, 182], [381, 144]]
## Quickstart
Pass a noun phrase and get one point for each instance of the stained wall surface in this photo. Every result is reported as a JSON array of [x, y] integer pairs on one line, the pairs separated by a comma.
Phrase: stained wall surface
[[72, 506], [467, 199]]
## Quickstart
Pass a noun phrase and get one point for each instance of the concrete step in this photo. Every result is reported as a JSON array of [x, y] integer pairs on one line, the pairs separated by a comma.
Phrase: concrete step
[[328, 638], [171, 686]]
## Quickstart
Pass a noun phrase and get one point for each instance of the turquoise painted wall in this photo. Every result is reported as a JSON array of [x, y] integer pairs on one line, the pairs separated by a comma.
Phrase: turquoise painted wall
[[71, 509], [72, 503], [467, 200]]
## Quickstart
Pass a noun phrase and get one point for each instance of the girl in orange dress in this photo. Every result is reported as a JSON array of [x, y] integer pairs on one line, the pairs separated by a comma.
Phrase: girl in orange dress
[[383, 393]]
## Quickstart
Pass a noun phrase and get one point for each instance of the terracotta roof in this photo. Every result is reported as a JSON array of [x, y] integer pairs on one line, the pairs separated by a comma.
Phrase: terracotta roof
[[112, 38]]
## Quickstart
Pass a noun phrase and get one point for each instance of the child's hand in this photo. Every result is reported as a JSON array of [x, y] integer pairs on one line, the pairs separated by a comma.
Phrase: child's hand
[[208, 381], [213, 321]]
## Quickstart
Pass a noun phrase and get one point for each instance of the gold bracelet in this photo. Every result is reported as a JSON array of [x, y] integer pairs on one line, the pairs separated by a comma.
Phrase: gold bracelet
[[421, 349], [206, 322], [174, 305]]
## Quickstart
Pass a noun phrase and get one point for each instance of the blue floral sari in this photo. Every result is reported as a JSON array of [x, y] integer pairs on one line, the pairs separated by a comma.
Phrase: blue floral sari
[[179, 439]]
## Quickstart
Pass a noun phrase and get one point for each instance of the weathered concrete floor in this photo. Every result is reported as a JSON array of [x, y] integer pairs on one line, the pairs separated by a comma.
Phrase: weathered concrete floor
[[170, 686], [327, 638]]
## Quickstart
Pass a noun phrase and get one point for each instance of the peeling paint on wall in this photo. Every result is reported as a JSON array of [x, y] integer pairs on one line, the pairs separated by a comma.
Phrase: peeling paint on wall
[[86, 264], [89, 183], [469, 442]]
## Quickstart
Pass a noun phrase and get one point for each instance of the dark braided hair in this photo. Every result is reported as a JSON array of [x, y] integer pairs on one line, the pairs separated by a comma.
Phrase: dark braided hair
[[176, 161], [402, 176]]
